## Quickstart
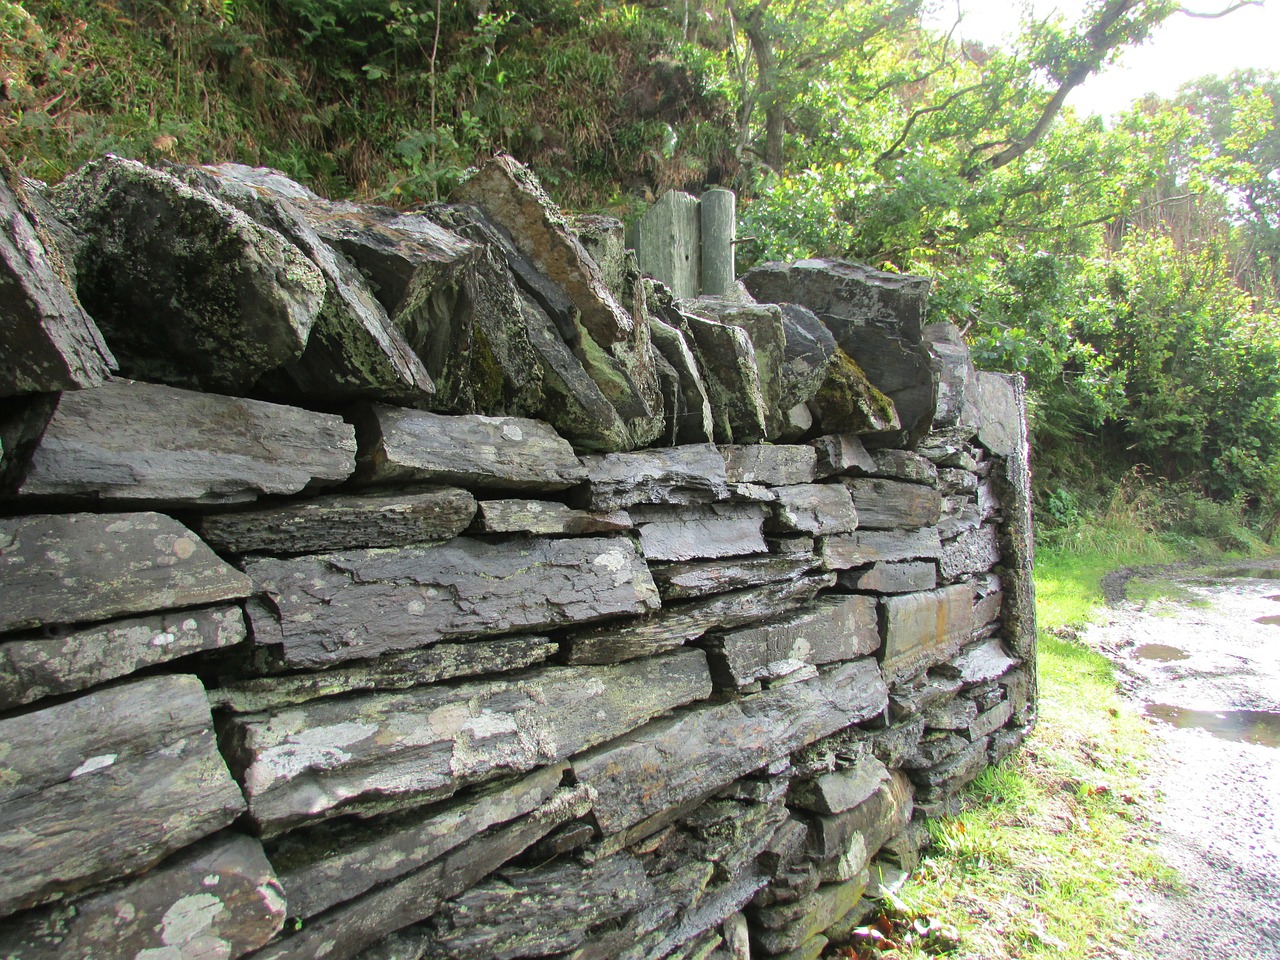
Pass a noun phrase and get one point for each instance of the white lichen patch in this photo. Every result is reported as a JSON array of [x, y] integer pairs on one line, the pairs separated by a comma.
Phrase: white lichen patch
[[94, 763], [319, 748]]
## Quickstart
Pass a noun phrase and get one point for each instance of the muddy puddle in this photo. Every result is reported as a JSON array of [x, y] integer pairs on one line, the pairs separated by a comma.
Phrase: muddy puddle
[[1160, 652], [1242, 726]]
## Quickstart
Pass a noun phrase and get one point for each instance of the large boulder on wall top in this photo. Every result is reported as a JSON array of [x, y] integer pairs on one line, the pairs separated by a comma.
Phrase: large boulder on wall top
[[187, 289], [876, 318]]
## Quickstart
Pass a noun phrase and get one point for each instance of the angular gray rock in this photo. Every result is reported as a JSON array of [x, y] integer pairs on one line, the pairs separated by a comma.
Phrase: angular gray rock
[[377, 751], [107, 785], [699, 578], [894, 504], [833, 629], [1000, 424], [901, 465], [842, 790], [700, 531], [694, 422], [677, 759], [678, 624], [821, 909], [549, 518], [443, 661], [338, 861], [668, 242], [770, 464], [218, 898], [974, 551], [958, 410], [77, 567], [848, 402], [729, 366], [763, 325], [841, 453], [810, 349], [694, 473], [820, 509], [905, 576], [355, 349], [36, 667], [342, 522], [924, 629], [510, 453], [980, 663], [871, 546], [327, 608], [145, 444], [47, 341], [186, 288]]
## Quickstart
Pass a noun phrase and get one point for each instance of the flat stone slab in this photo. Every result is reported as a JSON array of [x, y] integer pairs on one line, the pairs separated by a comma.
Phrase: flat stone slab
[[841, 453], [809, 349], [763, 325], [693, 473], [510, 453], [140, 443], [821, 909], [698, 578], [835, 628], [842, 790], [677, 759], [359, 604], [700, 532], [77, 567], [107, 785], [987, 661], [894, 504], [47, 341], [732, 373], [923, 629], [999, 414], [336, 862], [442, 661], [549, 518], [819, 509], [187, 289], [32, 668], [362, 753], [342, 522], [907, 576], [842, 551], [900, 465], [974, 551], [678, 624], [770, 464], [217, 898]]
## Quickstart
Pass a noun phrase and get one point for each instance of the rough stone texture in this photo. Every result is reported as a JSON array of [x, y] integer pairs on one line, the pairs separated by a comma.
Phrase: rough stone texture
[[837, 792], [718, 210], [980, 663], [335, 862], [342, 522], [668, 242], [677, 475], [442, 661], [957, 410], [549, 517], [140, 443], [847, 401], [771, 464], [910, 576], [47, 341], [974, 551], [106, 785], [821, 910], [893, 504], [693, 418], [922, 629], [77, 567], [700, 532], [510, 453], [763, 325], [31, 668], [832, 629], [187, 289], [362, 603], [987, 609], [882, 815], [355, 349], [333, 757], [820, 509], [699, 578], [809, 351], [901, 465], [954, 714], [218, 898], [1012, 484], [872, 546], [937, 782], [841, 453], [538, 911], [689, 755], [677, 624], [347, 930], [1000, 427], [729, 366]]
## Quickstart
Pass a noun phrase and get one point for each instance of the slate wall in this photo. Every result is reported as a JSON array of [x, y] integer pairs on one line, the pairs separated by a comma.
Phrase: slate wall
[[394, 585]]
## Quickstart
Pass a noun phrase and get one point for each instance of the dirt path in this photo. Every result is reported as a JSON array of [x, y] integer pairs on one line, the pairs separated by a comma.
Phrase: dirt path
[[1205, 666]]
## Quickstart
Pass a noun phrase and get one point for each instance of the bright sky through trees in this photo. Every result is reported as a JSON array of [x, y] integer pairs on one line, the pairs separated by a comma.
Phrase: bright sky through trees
[[1182, 49]]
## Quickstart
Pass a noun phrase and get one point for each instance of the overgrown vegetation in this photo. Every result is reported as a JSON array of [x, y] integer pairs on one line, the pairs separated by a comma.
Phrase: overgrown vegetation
[[1131, 270]]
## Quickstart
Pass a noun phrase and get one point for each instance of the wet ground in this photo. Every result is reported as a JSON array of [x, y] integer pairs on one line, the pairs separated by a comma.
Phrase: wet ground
[[1200, 655]]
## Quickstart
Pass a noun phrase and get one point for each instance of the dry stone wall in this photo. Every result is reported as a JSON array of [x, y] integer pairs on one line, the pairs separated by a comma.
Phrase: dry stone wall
[[433, 585]]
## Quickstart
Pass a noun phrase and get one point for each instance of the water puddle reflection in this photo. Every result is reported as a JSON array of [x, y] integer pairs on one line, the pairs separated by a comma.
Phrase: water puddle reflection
[[1159, 651], [1243, 726], [1271, 621]]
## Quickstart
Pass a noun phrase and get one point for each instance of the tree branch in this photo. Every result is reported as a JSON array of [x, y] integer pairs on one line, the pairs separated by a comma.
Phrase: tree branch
[[1221, 13]]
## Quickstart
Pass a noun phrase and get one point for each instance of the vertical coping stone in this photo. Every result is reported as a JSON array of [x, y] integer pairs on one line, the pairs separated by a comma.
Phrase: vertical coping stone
[[667, 243], [719, 230]]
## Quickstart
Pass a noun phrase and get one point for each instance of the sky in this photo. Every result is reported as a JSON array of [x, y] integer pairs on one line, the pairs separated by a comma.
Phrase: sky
[[1181, 49]]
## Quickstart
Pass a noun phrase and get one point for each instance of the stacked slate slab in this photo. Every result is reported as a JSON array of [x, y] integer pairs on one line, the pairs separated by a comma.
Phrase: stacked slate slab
[[432, 584]]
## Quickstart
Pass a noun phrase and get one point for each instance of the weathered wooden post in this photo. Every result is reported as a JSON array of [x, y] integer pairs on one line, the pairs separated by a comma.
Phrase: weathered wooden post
[[719, 227]]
